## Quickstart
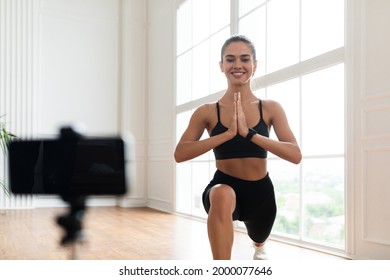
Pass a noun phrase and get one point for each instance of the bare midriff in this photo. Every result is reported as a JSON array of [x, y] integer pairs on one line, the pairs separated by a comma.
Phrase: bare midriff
[[250, 169]]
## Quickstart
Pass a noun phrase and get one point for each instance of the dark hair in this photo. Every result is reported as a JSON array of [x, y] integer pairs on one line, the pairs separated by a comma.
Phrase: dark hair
[[239, 38]]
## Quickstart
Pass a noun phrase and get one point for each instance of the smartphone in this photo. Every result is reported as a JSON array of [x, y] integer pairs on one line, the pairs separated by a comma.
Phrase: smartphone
[[86, 166]]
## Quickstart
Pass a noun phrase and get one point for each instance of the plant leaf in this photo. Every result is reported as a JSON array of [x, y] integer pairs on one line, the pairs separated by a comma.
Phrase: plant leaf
[[4, 187]]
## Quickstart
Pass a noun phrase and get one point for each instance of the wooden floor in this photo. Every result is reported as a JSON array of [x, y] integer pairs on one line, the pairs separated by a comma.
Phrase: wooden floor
[[123, 234]]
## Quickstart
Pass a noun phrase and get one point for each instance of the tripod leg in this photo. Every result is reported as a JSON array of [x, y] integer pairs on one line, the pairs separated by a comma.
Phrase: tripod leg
[[72, 224]]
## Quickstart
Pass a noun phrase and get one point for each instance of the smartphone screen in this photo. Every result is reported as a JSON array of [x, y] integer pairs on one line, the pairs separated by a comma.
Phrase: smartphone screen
[[68, 167]]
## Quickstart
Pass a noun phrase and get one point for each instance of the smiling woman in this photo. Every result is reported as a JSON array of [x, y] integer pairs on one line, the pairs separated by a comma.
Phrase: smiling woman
[[300, 65], [238, 125]]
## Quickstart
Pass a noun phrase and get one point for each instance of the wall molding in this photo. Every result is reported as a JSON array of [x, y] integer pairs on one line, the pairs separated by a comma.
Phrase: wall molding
[[375, 194], [370, 119], [18, 41]]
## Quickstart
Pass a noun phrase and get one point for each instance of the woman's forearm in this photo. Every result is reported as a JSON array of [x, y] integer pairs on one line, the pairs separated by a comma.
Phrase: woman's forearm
[[187, 150], [285, 150]]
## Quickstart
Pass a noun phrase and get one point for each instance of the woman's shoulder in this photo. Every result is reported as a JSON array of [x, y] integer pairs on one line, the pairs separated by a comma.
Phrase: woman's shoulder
[[204, 113], [272, 110], [271, 105], [206, 109]]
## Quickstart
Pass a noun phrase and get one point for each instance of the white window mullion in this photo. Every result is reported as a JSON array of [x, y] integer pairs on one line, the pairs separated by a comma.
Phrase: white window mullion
[[234, 17], [300, 30], [311, 65], [301, 191]]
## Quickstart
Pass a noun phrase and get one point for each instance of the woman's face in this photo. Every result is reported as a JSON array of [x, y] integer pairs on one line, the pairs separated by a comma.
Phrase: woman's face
[[238, 64]]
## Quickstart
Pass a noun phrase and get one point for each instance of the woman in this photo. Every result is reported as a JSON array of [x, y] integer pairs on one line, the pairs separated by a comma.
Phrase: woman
[[238, 125]]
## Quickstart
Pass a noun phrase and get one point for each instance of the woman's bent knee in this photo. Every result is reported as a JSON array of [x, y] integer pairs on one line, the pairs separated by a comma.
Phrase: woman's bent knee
[[223, 198]]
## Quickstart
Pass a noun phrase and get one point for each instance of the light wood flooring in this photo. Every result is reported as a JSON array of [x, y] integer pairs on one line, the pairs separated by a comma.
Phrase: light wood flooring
[[123, 234]]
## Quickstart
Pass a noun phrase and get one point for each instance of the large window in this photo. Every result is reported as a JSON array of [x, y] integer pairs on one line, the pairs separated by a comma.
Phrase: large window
[[300, 50]]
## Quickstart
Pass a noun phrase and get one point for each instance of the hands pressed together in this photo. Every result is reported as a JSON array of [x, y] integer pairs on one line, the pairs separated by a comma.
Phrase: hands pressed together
[[238, 123]]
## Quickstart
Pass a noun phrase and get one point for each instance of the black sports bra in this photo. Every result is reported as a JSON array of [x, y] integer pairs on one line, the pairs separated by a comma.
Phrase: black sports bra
[[239, 147]]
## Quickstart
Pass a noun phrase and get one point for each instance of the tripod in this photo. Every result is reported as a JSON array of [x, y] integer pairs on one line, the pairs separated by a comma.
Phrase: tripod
[[72, 167], [72, 223]]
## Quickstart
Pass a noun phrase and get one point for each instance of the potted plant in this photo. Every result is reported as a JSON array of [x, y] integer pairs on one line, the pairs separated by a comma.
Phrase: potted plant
[[5, 139]]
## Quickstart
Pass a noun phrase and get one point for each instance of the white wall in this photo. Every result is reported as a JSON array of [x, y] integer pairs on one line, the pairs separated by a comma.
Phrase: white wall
[[161, 93], [78, 65], [18, 76], [93, 70], [65, 61], [368, 87], [133, 87]]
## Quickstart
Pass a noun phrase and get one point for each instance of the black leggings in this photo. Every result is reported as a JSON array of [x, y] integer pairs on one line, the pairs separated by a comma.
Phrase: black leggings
[[255, 203]]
